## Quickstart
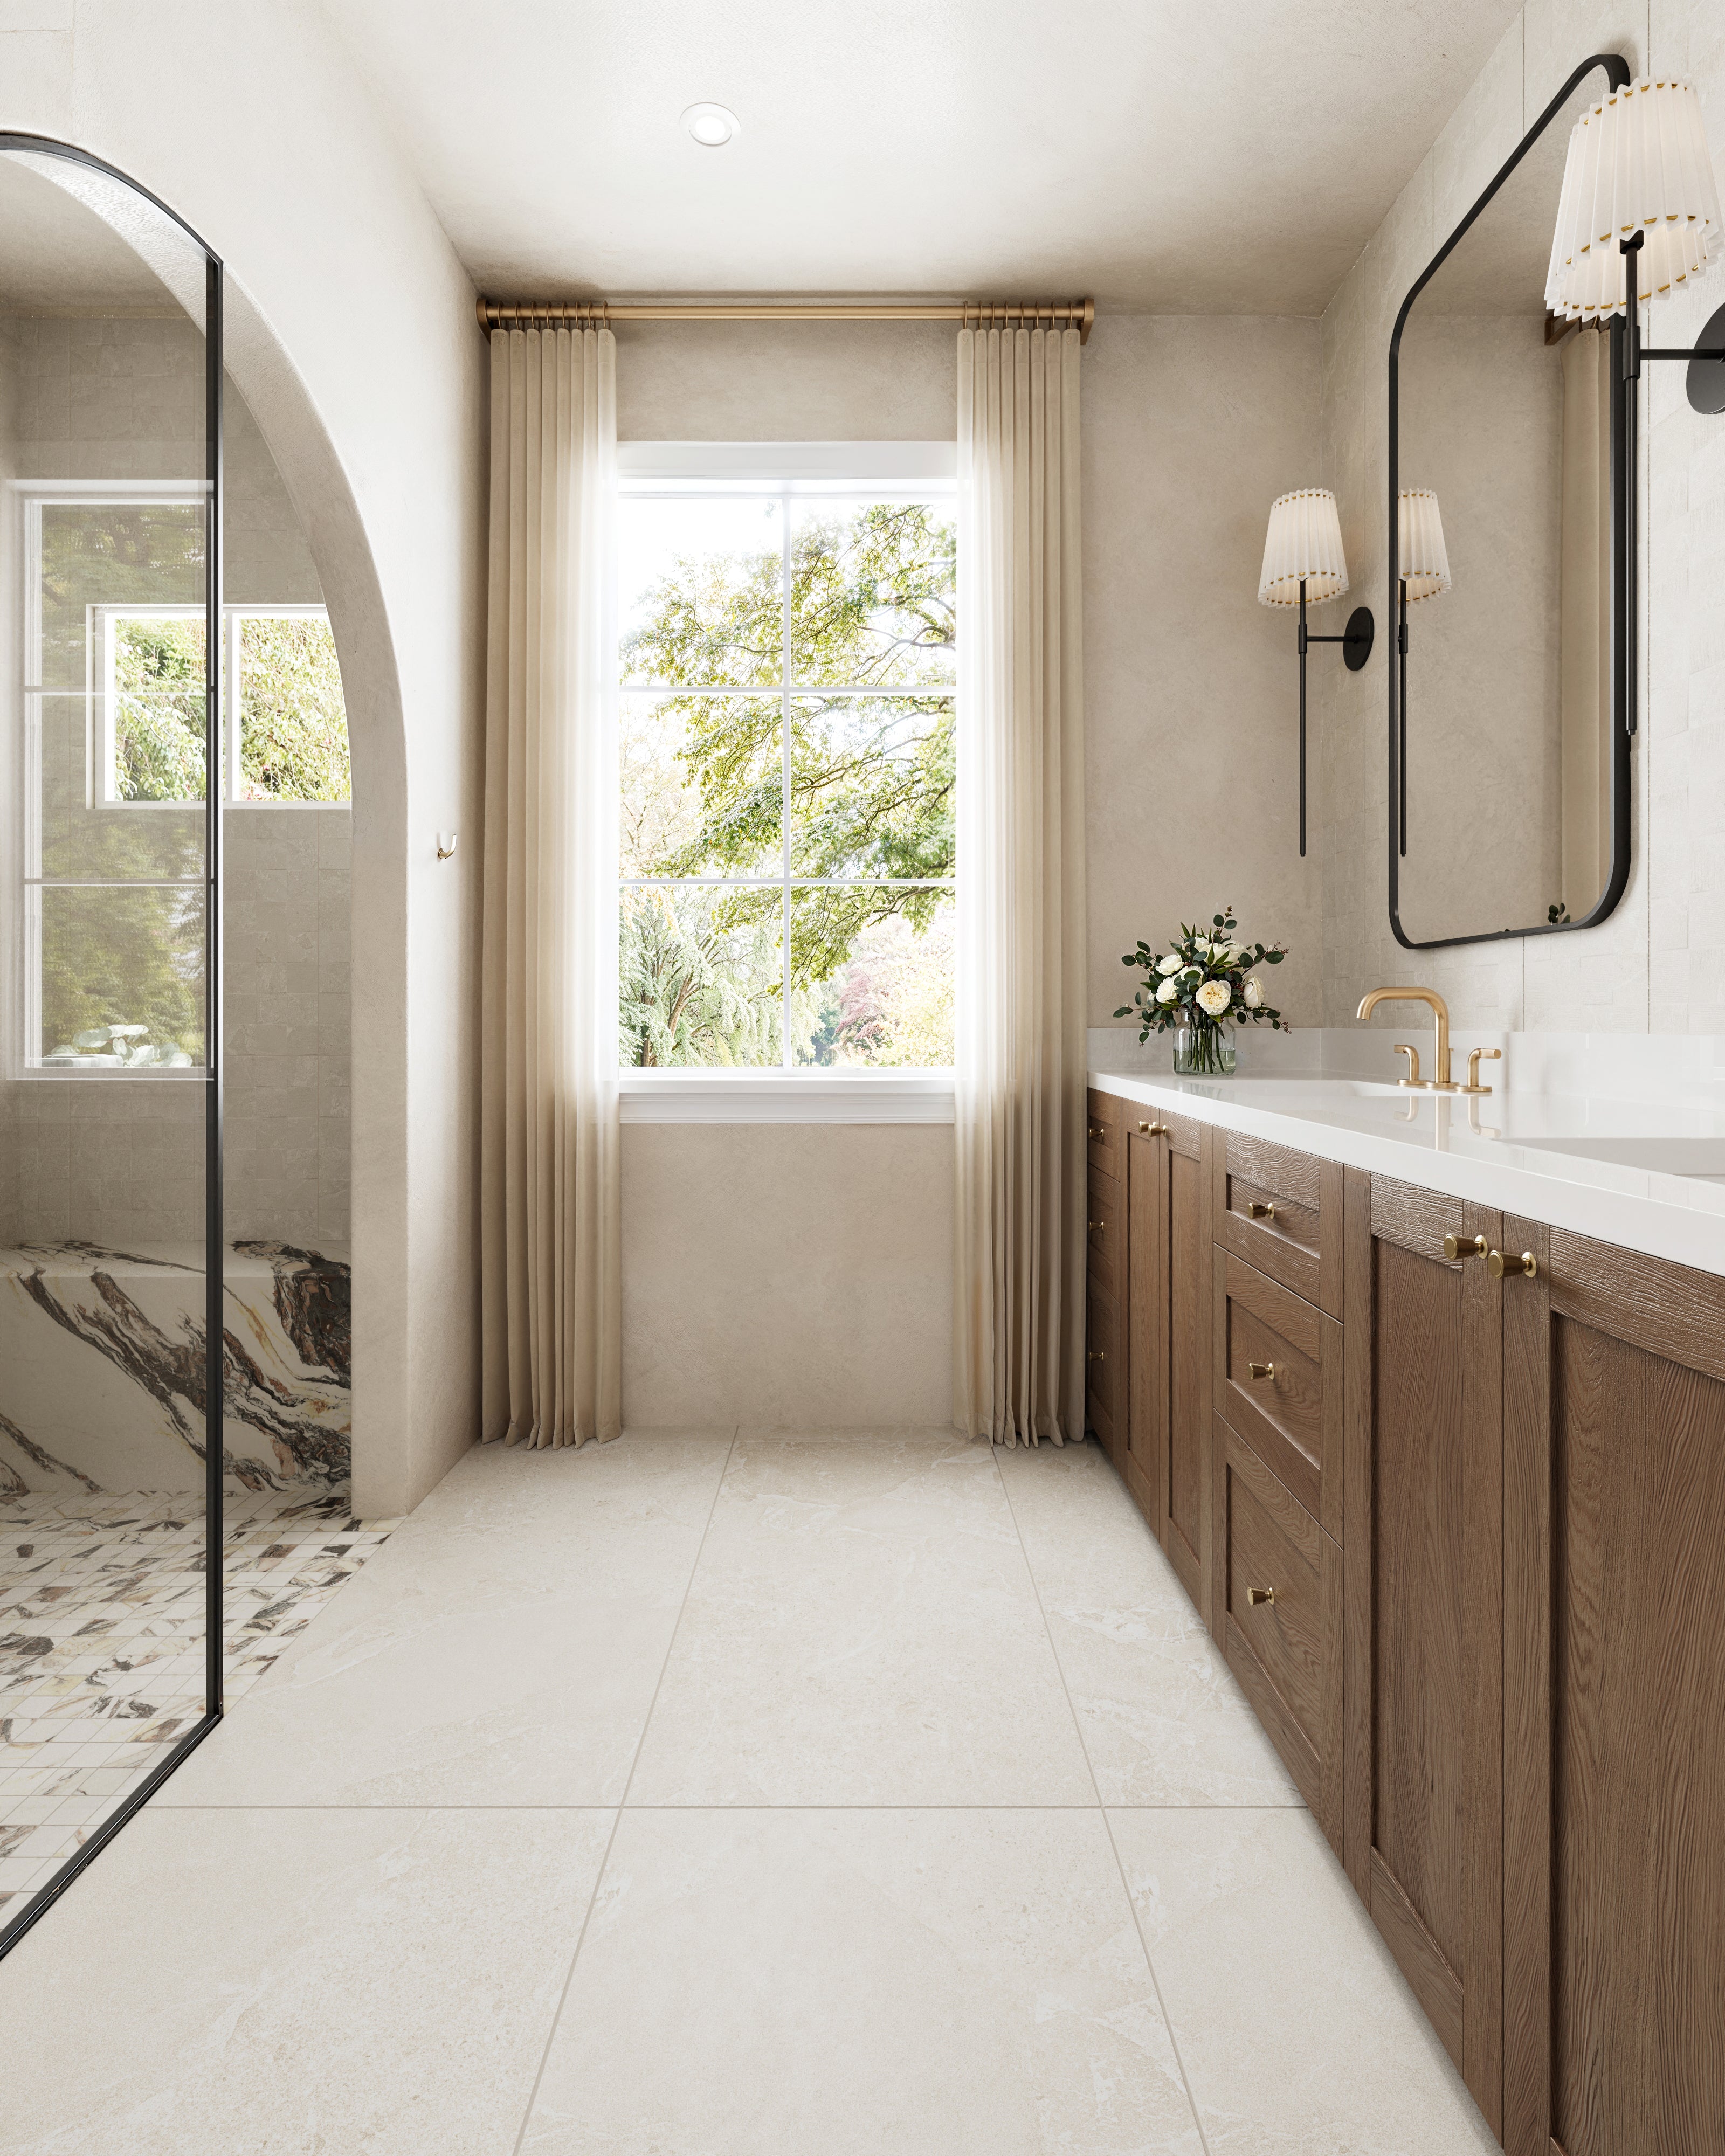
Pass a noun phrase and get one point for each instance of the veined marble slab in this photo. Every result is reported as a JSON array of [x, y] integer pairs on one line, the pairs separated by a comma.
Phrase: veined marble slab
[[102, 1368]]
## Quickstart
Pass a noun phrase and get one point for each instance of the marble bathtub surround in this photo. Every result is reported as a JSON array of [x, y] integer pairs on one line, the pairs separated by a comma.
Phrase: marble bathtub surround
[[102, 1368], [102, 1602], [932, 1894]]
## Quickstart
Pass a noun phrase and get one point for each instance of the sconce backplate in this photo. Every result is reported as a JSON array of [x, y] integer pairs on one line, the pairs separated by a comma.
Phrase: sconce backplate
[[1706, 376], [1356, 639]]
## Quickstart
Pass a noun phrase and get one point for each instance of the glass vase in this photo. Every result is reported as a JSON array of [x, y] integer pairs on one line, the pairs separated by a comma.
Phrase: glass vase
[[1204, 1050]]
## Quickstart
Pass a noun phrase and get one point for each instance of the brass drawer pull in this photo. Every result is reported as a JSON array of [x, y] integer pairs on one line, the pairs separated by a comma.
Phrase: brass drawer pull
[[1255, 1370], [1098, 1355], [1464, 1246], [1254, 1595], [1502, 1266], [1256, 1210], [1154, 1130]]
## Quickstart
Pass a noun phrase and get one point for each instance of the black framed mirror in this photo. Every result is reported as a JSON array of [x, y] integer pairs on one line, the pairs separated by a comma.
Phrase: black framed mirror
[[1512, 569]]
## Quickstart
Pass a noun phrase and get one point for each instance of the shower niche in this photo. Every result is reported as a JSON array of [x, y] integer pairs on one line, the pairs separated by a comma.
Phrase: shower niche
[[175, 841]]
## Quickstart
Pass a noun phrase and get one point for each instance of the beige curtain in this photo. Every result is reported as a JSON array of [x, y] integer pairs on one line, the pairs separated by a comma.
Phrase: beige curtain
[[1585, 636], [1018, 1285], [550, 1264]]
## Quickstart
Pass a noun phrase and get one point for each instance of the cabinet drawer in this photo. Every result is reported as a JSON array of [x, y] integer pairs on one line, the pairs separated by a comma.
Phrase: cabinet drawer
[[1283, 1618], [1278, 1383], [1281, 1212], [1106, 1221], [1102, 1131], [1103, 1344]]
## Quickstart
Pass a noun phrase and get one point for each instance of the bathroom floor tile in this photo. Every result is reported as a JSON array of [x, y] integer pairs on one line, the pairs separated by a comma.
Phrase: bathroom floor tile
[[861, 1629], [933, 1984], [1297, 2032], [507, 1653], [1164, 1721], [269, 1983]]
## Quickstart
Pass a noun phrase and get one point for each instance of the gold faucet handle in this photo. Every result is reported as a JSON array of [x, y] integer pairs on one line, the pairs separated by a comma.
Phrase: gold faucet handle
[[1474, 1056], [1407, 1048]]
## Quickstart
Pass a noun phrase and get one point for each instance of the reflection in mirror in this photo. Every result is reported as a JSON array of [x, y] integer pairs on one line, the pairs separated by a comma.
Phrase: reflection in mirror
[[1510, 807]]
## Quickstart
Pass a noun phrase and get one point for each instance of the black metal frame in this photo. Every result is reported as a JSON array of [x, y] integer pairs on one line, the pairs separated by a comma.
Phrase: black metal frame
[[1624, 437], [214, 1252]]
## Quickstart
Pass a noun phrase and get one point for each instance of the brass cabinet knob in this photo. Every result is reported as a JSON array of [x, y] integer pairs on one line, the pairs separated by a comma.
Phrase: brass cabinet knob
[[1256, 1595], [1464, 1246], [1099, 1130], [1503, 1267], [1255, 1370], [1098, 1355], [1154, 1130], [1098, 1227], [1256, 1210]]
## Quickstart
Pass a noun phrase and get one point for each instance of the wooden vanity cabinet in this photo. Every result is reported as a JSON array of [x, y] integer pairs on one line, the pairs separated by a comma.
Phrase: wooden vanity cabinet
[[1423, 1618], [1167, 1446], [1105, 1341], [1614, 1703]]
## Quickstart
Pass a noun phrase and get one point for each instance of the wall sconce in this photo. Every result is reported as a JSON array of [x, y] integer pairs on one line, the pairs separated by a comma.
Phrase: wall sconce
[[1424, 565], [1304, 566], [1638, 187]]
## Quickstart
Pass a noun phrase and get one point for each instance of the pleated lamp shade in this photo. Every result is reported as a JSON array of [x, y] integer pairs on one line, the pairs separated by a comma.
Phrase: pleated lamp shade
[[1638, 162], [1304, 540], [1422, 556]]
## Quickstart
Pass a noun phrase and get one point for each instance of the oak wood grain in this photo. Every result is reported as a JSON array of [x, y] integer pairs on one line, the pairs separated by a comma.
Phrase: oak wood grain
[[1278, 1168], [1433, 1983], [1101, 1367], [1102, 1131], [1145, 1437], [1188, 1345], [1291, 1518], [1414, 1219], [1482, 1300], [1333, 1183], [1272, 1711], [1672, 1310], [1285, 1247], [1105, 1220], [1358, 1317]]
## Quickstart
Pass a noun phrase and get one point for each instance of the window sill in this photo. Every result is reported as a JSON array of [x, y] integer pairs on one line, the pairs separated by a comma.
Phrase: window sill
[[792, 1096]]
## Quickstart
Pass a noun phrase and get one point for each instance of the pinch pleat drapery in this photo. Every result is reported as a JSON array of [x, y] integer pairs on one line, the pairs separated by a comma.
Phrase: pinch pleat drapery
[[550, 1262], [1019, 1080]]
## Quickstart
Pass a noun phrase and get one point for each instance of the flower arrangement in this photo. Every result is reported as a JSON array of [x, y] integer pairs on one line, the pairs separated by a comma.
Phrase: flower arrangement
[[1202, 986]]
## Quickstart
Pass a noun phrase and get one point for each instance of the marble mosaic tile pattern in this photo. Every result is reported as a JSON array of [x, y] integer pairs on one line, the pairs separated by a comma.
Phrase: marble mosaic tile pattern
[[102, 1368], [102, 1639]]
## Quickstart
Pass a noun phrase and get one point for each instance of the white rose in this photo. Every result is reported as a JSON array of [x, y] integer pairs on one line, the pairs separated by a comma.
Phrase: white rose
[[1235, 952], [1254, 996], [1166, 992], [1171, 964], [1214, 998]]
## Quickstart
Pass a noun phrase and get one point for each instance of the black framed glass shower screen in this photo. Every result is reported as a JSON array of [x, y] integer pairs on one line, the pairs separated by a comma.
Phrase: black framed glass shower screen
[[111, 332]]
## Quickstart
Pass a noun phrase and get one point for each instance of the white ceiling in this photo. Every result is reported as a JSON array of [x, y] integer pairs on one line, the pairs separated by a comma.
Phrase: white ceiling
[[1217, 155]]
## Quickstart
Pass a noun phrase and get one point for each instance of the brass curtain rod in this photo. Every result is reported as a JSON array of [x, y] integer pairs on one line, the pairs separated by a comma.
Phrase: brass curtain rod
[[974, 314]]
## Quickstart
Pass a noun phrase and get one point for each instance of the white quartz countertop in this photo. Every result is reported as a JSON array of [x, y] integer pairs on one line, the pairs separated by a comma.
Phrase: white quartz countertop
[[1648, 1175]]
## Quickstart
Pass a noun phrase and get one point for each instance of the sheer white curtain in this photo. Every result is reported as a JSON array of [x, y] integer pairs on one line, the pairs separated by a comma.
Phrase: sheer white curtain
[[1018, 1288], [550, 1270]]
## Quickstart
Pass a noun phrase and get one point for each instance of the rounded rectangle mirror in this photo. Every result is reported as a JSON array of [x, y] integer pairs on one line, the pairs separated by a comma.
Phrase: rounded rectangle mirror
[[1510, 664]]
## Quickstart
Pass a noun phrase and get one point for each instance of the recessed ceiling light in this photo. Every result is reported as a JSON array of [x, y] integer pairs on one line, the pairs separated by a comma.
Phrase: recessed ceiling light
[[712, 125]]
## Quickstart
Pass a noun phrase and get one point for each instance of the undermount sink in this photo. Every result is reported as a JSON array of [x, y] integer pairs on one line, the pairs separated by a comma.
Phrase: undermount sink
[[1703, 1158]]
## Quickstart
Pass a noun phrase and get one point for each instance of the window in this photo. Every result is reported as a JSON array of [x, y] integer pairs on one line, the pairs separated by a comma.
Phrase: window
[[787, 666], [113, 700]]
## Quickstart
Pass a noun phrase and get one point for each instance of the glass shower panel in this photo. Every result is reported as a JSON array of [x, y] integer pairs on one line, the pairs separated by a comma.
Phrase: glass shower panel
[[109, 1510]]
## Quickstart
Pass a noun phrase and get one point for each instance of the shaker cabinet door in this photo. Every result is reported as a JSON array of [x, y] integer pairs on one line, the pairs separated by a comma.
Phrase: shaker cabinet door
[[1614, 1703], [1423, 1603]]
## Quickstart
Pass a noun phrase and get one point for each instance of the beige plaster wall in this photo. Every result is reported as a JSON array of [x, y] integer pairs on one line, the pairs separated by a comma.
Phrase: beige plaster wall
[[1658, 964], [804, 1272]]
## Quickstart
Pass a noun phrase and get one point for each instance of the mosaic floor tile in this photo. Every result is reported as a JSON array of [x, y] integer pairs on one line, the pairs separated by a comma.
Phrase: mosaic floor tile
[[101, 1641]]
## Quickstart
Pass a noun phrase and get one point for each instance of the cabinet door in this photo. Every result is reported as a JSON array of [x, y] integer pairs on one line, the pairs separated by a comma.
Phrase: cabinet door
[[1614, 1703], [1168, 1442], [1423, 1597]]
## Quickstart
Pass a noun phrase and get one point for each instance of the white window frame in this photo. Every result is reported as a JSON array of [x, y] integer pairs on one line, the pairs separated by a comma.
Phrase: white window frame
[[23, 830], [790, 1094]]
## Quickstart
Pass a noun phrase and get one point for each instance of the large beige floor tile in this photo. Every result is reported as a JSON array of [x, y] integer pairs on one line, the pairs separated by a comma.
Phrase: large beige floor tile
[[907, 1984], [502, 1648], [1162, 1718], [311, 1983], [861, 1629], [1297, 2033]]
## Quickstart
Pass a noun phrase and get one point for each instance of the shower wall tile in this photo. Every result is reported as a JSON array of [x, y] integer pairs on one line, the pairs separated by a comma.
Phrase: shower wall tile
[[119, 1163]]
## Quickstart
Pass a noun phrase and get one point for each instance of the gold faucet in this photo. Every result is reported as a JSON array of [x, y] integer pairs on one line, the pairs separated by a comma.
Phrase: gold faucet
[[1442, 1082]]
